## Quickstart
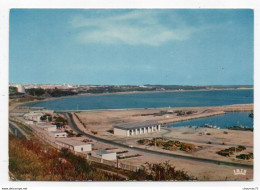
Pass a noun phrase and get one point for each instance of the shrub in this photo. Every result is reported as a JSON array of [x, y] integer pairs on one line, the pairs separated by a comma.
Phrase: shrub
[[94, 132], [161, 172], [231, 150], [245, 156], [240, 148]]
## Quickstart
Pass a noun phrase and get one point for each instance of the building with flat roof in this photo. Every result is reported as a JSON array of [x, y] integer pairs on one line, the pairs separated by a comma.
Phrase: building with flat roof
[[104, 154], [33, 116], [50, 128], [46, 126], [57, 134], [137, 128], [75, 145]]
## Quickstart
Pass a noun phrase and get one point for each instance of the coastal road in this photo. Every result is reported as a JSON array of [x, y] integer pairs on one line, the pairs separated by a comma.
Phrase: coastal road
[[203, 160]]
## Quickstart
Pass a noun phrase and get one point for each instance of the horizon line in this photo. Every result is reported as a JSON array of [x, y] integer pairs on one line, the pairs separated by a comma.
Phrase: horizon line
[[134, 84]]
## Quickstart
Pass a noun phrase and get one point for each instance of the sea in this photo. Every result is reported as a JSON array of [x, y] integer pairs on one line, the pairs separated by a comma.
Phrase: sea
[[163, 99], [229, 119], [149, 100]]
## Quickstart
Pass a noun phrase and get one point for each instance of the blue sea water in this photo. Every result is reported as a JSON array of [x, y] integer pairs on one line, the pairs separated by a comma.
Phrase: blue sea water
[[222, 121], [150, 100]]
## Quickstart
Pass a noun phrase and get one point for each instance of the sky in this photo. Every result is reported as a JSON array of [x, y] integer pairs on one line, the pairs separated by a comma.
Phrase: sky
[[131, 46]]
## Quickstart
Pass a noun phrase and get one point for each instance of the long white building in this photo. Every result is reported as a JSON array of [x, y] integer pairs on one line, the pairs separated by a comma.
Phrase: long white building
[[137, 128]]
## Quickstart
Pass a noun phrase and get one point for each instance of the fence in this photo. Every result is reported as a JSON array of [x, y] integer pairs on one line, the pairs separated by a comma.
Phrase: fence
[[128, 167], [110, 163], [95, 159], [88, 157]]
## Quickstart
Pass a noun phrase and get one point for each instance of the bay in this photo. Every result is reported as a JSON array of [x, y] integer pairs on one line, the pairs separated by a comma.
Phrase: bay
[[150, 100], [222, 121]]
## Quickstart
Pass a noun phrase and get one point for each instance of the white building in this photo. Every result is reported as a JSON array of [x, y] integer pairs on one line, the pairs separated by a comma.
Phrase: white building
[[104, 154], [137, 128], [77, 146], [33, 116], [20, 88], [46, 126], [37, 114], [58, 134], [29, 122], [50, 128]]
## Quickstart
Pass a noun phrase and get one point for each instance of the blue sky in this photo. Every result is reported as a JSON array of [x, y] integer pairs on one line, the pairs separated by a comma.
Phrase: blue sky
[[125, 46]]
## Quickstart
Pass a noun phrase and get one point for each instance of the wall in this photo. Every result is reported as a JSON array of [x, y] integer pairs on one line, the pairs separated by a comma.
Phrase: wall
[[86, 147], [50, 128], [120, 132], [57, 134], [110, 156]]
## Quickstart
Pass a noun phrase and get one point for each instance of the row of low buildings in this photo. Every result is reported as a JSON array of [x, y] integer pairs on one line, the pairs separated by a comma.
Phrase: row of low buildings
[[35, 116], [52, 130], [61, 140], [123, 129], [79, 146]]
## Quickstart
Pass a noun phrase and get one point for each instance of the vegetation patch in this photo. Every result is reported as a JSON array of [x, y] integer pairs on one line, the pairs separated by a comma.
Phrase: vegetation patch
[[28, 160], [161, 172], [46, 117], [182, 113], [246, 156], [230, 151], [87, 140], [70, 133], [122, 152], [168, 144], [94, 132], [241, 128], [60, 121]]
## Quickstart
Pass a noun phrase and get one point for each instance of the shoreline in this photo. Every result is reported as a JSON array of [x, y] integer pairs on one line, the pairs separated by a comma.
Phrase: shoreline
[[159, 108], [103, 120], [27, 104], [203, 116]]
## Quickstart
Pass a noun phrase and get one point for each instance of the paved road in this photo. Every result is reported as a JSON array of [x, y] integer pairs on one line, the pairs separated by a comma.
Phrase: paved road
[[203, 160]]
